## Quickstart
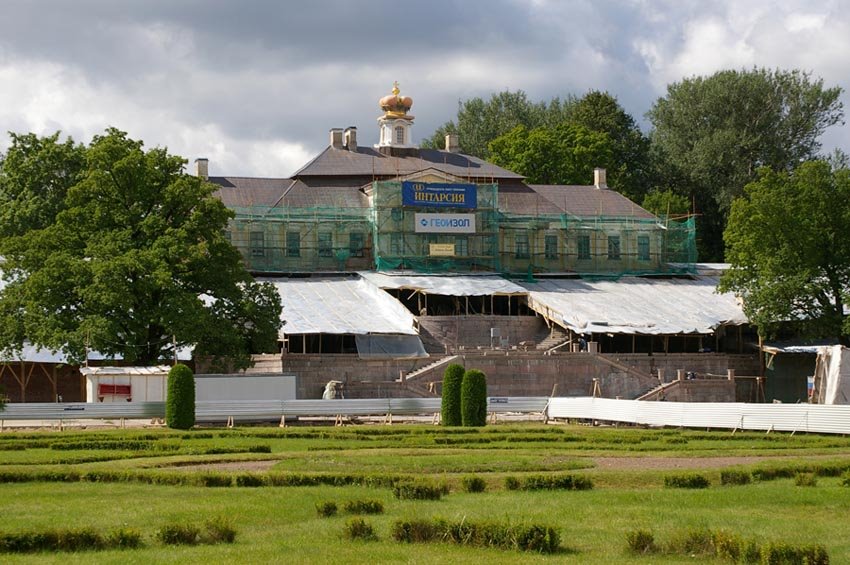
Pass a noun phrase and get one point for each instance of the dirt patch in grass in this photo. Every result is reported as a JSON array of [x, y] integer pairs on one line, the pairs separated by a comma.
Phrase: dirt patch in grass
[[229, 466]]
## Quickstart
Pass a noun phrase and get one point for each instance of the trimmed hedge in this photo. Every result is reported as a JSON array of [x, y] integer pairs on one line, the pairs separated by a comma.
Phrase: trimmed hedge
[[549, 482], [538, 538], [689, 480], [418, 491], [735, 477], [180, 401], [79, 539], [450, 408], [363, 507], [473, 484], [358, 528], [727, 546], [473, 398]]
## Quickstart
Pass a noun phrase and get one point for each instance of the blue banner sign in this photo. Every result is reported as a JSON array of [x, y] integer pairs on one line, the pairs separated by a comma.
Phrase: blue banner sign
[[438, 195]]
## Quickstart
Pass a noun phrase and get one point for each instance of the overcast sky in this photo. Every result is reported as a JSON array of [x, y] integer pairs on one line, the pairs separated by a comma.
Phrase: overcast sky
[[255, 85]]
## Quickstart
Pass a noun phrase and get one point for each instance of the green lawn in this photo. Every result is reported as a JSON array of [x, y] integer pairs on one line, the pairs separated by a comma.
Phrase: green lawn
[[280, 524]]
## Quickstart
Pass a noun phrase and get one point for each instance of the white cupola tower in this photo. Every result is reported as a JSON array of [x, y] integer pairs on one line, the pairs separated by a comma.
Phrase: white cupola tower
[[396, 123]]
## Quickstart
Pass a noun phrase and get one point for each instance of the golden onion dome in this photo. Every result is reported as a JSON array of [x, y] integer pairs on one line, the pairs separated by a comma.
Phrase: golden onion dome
[[395, 104]]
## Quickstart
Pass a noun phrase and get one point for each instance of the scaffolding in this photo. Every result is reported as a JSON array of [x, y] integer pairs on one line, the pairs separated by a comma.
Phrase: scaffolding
[[383, 237], [398, 246]]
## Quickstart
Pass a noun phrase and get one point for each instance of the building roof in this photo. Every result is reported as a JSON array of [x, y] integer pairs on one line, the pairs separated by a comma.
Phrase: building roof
[[338, 305], [521, 199], [635, 305], [450, 285], [586, 201], [369, 163], [241, 192]]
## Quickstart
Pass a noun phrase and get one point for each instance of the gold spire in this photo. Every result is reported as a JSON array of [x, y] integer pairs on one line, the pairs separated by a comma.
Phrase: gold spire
[[395, 88]]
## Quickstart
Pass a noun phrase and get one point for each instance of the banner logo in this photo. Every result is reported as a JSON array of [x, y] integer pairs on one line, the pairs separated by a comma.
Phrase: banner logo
[[438, 195], [444, 223]]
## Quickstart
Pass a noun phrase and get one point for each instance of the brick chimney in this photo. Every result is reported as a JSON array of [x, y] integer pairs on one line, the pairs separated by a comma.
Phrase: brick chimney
[[202, 168], [453, 143], [336, 138], [599, 180], [351, 138]]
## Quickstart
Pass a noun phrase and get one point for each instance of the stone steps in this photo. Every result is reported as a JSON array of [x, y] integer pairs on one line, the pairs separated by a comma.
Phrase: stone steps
[[419, 374]]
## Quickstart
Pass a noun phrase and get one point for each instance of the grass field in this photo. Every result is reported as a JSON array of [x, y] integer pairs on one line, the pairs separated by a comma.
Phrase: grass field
[[146, 479]]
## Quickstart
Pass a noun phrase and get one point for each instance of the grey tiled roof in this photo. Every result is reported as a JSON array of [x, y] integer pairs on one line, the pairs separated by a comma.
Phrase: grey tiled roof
[[584, 201], [242, 192], [368, 162], [519, 198]]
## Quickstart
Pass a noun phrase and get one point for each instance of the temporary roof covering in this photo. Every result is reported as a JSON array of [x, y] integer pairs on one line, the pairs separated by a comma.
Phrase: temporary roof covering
[[381, 325], [633, 305], [339, 306], [33, 354], [449, 285]]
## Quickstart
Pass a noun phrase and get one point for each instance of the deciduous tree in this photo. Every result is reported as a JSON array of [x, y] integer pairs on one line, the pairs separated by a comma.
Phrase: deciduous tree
[[117, 249], [790, 254], [565, 154], [715, 133]]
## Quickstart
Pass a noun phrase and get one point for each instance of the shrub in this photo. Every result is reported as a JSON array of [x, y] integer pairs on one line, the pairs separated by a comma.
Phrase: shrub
[[180, 400], [210, 479], [250, 480], [79, 540], [641, 541], [124, 538], [512, 483], [413, 531], [358, 528], [473, 484], [364, 507], [452, 379], [805, 480], [538, 538], [549, 482], [693, 542], [473, 399], [845, 479], [691, 480], [417, 491], [219, 530], [733, 477], [326, 509], [783, 553], [178, 534], [734, 548]]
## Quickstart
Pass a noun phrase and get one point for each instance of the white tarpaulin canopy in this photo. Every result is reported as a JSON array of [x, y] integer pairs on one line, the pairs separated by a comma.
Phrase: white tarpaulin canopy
[[340, 306], [382, 327], [449, 285], [32, 354], [633, 305]]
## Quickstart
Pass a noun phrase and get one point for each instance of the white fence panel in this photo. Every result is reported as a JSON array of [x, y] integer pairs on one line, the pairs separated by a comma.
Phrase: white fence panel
[[832, 419]]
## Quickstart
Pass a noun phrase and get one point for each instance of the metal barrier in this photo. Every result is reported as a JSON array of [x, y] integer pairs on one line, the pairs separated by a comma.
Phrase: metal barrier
[[258, 410], [817, 418]]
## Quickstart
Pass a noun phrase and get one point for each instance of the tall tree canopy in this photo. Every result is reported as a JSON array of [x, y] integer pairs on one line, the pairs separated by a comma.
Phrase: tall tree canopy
[[480, 122], [716, 132], [116, 249], [788, 246], [564, 154]]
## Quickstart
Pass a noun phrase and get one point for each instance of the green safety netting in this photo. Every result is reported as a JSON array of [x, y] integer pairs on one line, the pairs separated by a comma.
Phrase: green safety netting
[[383, 237]]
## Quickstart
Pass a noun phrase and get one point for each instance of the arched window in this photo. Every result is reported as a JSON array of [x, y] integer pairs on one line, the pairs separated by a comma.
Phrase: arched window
[[399, 135]]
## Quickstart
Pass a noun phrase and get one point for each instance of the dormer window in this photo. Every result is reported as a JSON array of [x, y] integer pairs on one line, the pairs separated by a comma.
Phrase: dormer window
[[399, 135]]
